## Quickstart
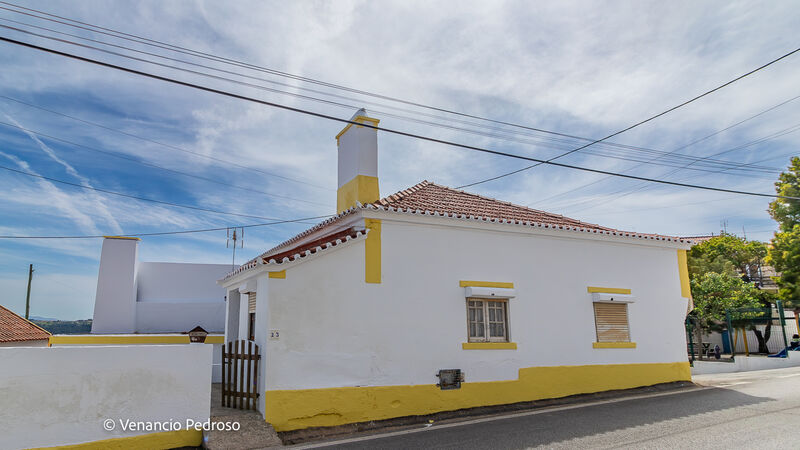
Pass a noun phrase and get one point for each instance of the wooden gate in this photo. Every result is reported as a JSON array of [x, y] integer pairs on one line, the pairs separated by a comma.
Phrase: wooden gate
[[240, 374]]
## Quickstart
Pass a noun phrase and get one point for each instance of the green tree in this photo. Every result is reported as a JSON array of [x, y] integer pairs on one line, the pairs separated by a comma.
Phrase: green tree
[[724, 271], [728, 254], [784, 255], [714, 293]]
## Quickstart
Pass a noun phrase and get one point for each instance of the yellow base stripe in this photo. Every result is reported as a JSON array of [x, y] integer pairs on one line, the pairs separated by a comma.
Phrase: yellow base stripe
[[361, 189], [489, 345], [489, 284], [165, 440], [614, 344], [111, 339], [295, 409], [605, 290]]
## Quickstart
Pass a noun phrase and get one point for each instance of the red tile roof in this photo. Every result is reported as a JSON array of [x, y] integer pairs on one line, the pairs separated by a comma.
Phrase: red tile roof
[[427, 196], [14, 328]]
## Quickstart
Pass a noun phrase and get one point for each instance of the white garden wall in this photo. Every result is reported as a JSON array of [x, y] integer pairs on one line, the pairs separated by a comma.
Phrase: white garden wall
[[61, 395], [746, 363]]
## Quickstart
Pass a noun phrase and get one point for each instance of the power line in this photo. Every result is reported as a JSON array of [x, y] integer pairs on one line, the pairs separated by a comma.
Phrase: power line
[[385, 130], [696, 141], [170, 47], [137, 161], [165, 233], [640, 122], [135, 197]]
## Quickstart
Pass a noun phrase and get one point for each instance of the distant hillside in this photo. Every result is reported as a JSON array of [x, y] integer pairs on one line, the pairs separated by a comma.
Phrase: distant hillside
[[66, 326]]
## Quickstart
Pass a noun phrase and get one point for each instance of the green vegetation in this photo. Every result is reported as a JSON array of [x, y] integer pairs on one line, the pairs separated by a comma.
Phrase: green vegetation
[[66, 326], [785, 252]]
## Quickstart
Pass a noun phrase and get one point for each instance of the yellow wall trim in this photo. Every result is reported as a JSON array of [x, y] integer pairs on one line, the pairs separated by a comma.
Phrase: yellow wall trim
[[295, 409], [361, 189], [281, 274], [123, 237], [683, 272], [489, 345], [359, 119], [606, 290], [372, 251], [614, 344], [111, 339], [164, 440], [489, 284]]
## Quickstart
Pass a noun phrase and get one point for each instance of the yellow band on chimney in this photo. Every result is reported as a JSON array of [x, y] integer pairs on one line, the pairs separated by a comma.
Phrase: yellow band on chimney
[[362, 189]]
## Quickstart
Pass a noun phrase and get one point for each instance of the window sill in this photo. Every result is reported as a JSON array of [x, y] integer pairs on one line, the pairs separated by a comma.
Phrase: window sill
[[614, 344], [489, 346]]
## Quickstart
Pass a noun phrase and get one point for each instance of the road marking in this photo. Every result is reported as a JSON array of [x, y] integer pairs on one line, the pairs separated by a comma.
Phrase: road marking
[[733, 384], [787, 376], [425, 428]]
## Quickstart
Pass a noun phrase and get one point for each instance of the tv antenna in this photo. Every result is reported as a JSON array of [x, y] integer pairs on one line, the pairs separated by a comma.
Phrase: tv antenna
[[235, 237]]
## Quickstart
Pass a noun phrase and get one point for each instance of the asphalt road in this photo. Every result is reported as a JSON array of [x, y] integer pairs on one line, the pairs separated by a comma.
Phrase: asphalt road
[[746, 410]]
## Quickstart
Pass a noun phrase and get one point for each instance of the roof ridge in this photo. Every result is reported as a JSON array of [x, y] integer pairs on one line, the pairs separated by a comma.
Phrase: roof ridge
[[492, 199]]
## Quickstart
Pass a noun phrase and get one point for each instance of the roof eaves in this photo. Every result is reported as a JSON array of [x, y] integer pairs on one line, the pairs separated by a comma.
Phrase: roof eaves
[[607, 232]]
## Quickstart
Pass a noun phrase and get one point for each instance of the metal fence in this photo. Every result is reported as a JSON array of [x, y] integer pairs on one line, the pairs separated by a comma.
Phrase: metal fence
[[746, 331]]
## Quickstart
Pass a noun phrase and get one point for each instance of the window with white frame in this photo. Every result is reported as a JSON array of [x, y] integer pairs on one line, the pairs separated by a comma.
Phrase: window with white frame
[[487, 320]]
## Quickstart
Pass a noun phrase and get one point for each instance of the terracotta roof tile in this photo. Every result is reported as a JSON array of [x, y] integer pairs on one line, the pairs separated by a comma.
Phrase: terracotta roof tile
[[14, 328], [427, 196], [433, 199]]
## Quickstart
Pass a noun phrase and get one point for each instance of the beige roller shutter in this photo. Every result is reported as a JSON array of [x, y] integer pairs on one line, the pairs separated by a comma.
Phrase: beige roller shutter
[[251, 302], [611, 322]]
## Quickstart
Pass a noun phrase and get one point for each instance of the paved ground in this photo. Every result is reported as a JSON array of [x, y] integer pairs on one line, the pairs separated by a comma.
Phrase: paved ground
[[746, 410]]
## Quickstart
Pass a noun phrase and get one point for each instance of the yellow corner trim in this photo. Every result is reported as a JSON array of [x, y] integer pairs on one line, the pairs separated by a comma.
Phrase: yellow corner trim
[[489, 346], [683, 273], [372, 251], [281, 274], [110, 339], [489, 284], [296, 409], [166, 439], [614, 344], [361, 189], [358, 119], [605, 290], [123, 237]]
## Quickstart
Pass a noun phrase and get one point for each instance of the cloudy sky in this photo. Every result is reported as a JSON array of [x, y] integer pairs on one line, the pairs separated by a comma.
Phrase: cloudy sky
[[583, 69]]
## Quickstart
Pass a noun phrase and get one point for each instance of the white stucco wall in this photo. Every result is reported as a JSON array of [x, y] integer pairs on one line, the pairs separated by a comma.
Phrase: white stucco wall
[[61, 395], [746, 363], [115, 298], [155, 297], [336, 330]]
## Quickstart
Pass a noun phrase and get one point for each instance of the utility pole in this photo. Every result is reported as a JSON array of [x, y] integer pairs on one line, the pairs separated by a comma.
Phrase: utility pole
[[234, 237], [28, 297]]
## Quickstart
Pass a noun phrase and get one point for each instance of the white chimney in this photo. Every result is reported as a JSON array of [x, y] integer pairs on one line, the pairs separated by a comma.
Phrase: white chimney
[[358, 162], [115, 300]]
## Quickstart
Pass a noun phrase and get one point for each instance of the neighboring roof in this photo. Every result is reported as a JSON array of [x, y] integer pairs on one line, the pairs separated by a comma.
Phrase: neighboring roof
[[14, 328], [428, 198], [699, 239]]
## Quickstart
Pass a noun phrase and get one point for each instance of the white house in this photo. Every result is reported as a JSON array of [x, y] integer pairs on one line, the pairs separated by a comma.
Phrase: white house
[[357, 315], [141, 302], [155, 297]]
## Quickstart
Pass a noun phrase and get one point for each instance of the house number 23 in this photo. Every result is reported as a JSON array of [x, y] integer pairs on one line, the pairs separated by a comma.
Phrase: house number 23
[[274, 334]]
